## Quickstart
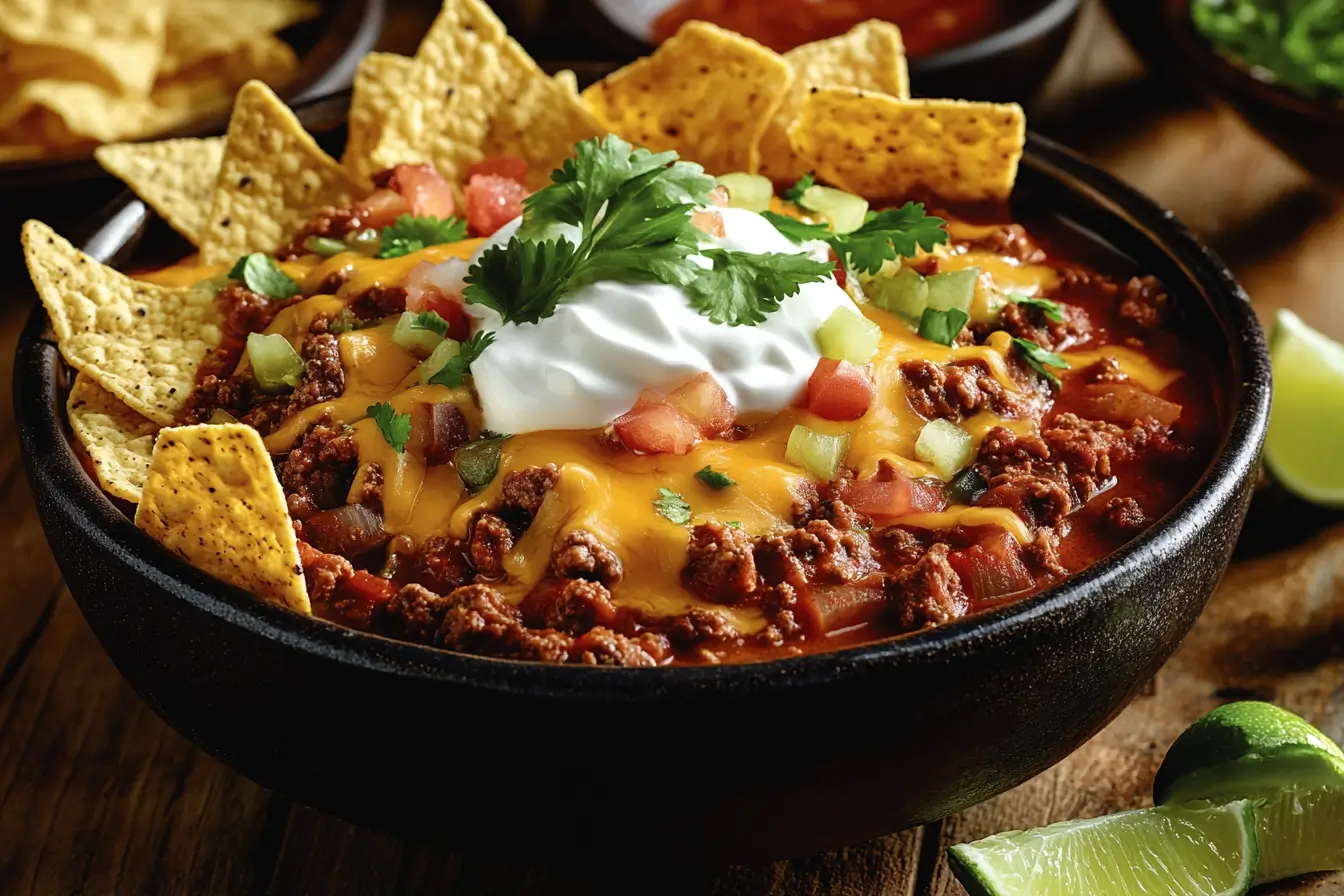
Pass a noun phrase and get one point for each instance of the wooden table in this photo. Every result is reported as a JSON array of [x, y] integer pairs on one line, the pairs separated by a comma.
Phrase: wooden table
[[98, 796]]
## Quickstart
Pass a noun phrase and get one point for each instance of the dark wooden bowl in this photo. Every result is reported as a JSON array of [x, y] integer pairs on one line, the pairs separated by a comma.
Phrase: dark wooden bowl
[[1311, 132], [731, 762], [329, 48]]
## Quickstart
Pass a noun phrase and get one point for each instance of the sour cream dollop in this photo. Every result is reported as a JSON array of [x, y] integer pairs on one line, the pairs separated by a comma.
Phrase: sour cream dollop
[[587, 363]]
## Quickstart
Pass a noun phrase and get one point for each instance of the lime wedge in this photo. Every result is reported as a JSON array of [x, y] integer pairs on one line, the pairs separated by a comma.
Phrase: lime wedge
[[1306, 420], [1257, 751], [1177, 850]]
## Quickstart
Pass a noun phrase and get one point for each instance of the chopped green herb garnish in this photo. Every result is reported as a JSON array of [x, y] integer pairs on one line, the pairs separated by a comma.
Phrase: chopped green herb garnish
[[1038, 359], [736, 524], [672, 506], [942, 327], [798, 231], [895, 232], [743, 287], [259, 273], [795, 193], [715, 479], [477, 462], [411, 234], [1299, 43], [396, 428], [430, 320], [455, 369], [1050, 309], [343, 322]]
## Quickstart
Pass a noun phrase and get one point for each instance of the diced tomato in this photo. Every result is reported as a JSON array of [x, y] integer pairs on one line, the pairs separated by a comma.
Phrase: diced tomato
[[709, 222], [926, 496], [511, 167], [839, 390], [875, 497], [656, 428], [424, 189], [719, 196], [438, 288], [382, 208], [360, 595], [492, 202], [703, 401], [841, 276], [992, 567]]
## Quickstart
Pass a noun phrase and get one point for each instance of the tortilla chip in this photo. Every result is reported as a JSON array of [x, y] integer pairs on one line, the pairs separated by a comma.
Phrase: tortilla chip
[[880, 147], [475, 92], [706, 92], [381, 80], [118, 440], [870, 56], [175, 177], [272, 179], [139, 341], [200, 29], [212, 498], [123, 41]]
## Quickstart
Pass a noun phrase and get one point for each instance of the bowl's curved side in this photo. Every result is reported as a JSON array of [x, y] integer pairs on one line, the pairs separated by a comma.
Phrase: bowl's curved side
[[725, 763]]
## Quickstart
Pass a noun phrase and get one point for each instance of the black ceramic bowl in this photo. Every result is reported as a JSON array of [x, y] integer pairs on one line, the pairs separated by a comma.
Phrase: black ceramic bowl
[[1309, 131], [1008, 65], [329, 48], [703, 763]]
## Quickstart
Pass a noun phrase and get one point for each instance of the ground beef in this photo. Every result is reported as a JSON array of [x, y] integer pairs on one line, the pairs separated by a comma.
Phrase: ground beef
[[378, 302], [604, 647], [1145, 302], [700, 628], [573, 607], [1125, 515], [1043, 553], [1040, 500], [322, 572], [371, 489], [331, 222], [898, 547], [243, 310], [318, 472], [818, 553], [779, 605], [441, 564], [1030, 322], [925, 593], [1002, 448], [954, 391], [1089, 450], [819, 503], [491, 539], [477, 619], [580, 555], [332, 283], [322, 379], [720, 564], [525, 489], [1107, 371], [416, 612], [1011, 240]]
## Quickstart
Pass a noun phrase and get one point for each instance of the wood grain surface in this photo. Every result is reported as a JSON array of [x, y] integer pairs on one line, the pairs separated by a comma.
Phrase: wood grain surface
[[97, 796]]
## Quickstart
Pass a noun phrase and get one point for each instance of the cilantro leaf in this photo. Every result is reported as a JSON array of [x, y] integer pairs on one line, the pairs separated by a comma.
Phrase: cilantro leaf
[[411, 234], [715, 479], [1038, 359], [453, 371], [430, 320], [396, 428], [798, 231], [942, 327], [262, 275], [1050, 309], [795, 193], [743, 287], [672, 506], [736, 524], [522, 281], [888, 234]]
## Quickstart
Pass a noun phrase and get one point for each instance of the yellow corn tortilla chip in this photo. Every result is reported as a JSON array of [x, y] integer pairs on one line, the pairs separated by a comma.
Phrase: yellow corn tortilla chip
[[140, 341], [475, 92], [175, 177], [381, 80], [212, 498], [124, 41], [706, 92], [119, 441], [272, 179], [870, 56], [880, 147], [201, 29]]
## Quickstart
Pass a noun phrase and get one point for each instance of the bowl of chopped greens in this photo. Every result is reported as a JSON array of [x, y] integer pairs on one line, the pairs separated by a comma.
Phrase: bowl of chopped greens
[[1279, 63]]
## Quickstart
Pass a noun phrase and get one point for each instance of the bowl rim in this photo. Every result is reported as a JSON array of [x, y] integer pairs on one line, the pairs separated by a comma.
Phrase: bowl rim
[[360, 24], [1049, 15], [49, 457]]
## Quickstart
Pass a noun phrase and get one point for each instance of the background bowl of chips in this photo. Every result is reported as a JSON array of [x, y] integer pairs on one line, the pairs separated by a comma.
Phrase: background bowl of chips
[[733, 762], [80, 72]]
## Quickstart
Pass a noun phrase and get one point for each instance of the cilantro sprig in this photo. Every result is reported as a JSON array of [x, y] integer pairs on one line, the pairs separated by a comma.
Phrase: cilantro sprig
[[672, 506], [430, 320], [885, 235], [795, 193], [714, 479], [796, 230], [260, 274], [454, 370], [411, 234], [396, 428], [1038, 359], [743, 287], [1051, 310]]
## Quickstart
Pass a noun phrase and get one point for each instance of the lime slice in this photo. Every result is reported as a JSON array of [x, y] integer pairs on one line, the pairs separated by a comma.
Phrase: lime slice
[[1306, 420], [1177, 850], [1257, 751]]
